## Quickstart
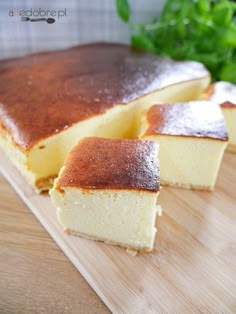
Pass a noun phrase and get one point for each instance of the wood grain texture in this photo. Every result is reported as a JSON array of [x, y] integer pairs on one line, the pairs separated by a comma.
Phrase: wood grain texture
[[35, 275], [192, 268]]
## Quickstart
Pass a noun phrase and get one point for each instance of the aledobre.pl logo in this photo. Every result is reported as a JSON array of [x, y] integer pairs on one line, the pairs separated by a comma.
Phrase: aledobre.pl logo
[[37, 15]]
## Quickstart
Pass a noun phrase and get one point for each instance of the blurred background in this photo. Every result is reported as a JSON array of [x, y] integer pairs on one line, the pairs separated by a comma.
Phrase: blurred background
[[85, 21]]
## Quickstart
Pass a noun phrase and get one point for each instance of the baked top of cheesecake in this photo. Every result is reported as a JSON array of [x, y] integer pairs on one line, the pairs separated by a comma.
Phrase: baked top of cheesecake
[[98, 163], [44, 93], [192, 119], [222, 92], [228, 104]]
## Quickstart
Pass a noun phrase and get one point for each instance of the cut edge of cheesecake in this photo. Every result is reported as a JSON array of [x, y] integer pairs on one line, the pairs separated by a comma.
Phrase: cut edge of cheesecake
[[143, 209], [178, 140], [138, 248], [229, 112], [211, 168], [224, 94], [113, 200], [146, 249]]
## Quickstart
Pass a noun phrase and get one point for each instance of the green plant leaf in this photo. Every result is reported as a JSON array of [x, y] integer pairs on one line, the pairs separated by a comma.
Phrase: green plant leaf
[[123, 10], [203, 6], [143, 42], [222, 13], [228, 72], [229, 36], [201, 30]]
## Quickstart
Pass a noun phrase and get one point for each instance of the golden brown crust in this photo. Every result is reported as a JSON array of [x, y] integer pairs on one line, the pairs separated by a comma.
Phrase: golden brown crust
[[221, 92], [97, 163], [201, 119], [208, 92], [44, 93], [228, 104], [107, 241]]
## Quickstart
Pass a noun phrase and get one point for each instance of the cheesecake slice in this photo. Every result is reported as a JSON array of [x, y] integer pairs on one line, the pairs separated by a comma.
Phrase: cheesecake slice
[[221, 92], [192, 138], [229, 112], [48, 101], [224, 93], [107, 190]]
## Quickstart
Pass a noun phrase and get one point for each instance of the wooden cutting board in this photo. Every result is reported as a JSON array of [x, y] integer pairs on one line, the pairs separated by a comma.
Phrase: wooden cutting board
[[192, 268]]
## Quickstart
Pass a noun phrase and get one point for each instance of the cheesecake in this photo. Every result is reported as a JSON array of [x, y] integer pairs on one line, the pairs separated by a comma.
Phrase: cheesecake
[[221, 92], [224, 93], [107, 190], [48, 101], [192, 138], [229, 112]]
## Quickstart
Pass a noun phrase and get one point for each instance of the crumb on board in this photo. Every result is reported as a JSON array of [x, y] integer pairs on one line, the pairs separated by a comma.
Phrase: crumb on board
[[159, 210], [132, 252]]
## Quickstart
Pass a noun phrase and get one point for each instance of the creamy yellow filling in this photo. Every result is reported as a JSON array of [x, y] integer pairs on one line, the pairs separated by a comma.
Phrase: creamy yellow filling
[[230, 118], [124, 217], [189, 162]]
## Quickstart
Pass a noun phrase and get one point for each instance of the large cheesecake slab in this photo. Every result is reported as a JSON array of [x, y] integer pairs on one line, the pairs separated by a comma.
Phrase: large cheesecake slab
[[48, 101], [107, 190], [192, 138], [224, 94]]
